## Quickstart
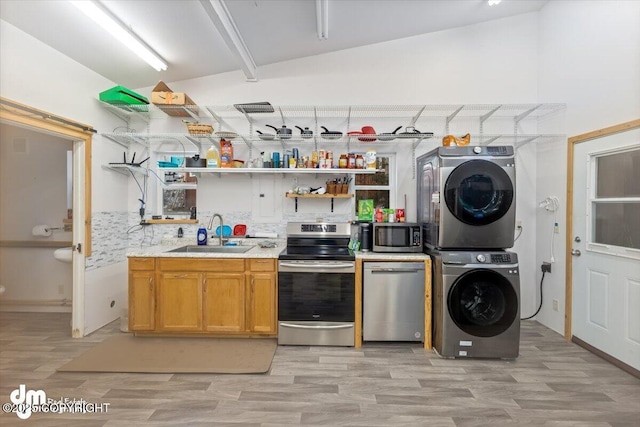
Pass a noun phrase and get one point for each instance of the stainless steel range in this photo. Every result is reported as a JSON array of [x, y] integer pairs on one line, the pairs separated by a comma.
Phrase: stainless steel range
[[316, 286]]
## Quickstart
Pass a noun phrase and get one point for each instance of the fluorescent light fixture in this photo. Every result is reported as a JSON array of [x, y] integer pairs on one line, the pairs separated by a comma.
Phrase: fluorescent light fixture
[[322, 19], [116, 28], [222, 19], [494, 2]]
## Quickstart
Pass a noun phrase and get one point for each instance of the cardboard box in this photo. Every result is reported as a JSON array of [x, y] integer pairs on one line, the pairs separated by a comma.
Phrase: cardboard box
[[170, 101]]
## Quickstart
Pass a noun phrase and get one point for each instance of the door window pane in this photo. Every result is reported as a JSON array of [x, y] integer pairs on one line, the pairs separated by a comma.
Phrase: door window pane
[[618, 175], [378, 186], [617, 224], [178, 202], [378, 178]]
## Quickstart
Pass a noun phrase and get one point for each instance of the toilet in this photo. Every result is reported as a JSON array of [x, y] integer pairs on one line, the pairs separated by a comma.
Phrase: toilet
[[63, 254]]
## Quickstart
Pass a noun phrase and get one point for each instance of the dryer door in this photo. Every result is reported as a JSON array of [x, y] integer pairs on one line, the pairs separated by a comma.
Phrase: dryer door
[[478, 192], [483, 303]]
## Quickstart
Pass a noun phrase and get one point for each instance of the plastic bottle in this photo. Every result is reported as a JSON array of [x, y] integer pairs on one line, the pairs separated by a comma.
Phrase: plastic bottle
[[213, 157], [202, 236]]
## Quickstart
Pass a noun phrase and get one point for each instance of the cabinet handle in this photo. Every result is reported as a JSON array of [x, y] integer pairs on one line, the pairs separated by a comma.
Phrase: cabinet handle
[[204, 285], [151, 283]]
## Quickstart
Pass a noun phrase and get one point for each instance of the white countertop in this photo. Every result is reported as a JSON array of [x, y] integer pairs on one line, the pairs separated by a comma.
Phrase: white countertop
[[163, 251]]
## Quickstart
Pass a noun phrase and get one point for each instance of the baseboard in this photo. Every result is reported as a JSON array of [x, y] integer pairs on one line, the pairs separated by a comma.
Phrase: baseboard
[[601, 354]]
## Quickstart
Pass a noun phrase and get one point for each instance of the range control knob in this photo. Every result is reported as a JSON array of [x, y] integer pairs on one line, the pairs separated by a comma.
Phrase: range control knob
[[481, 258], [477, 150]]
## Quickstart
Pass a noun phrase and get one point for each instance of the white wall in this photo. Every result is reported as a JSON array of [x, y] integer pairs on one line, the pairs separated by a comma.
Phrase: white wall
[[590, 59], [37, 75]]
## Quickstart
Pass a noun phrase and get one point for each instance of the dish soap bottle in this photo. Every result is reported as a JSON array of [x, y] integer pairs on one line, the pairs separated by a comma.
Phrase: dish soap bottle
[[213, 157], [202, 236]]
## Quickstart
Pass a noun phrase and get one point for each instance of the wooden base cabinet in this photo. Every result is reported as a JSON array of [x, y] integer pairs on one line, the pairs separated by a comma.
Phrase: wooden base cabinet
[[179, 302], [224, 301], [142, 294], [209, 296]]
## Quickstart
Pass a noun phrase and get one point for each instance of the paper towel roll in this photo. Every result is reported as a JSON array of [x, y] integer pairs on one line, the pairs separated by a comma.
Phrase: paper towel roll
[[41, 230]]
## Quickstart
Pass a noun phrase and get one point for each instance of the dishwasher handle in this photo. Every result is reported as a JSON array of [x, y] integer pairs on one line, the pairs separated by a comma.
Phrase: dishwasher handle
[[396, 270]]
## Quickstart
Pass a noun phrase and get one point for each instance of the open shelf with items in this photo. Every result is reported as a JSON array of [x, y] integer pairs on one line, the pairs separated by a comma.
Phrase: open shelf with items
[[331, 171], [317, 196]]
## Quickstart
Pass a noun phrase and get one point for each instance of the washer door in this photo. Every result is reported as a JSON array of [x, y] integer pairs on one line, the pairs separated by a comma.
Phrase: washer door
[[478, 192], [482, 303]]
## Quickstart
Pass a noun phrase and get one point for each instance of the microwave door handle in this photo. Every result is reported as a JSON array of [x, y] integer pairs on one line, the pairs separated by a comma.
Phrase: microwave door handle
[[292, 325]]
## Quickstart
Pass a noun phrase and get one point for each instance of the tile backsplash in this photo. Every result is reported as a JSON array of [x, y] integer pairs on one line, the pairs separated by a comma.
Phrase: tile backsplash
[[114, 232]]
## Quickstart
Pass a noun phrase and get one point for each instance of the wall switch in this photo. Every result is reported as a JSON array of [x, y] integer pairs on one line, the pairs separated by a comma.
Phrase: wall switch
[[555, 304]]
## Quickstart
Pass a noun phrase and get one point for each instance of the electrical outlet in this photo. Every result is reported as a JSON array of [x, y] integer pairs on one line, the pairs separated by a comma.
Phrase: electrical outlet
[[61, 289], [546, 267], [555, 304]]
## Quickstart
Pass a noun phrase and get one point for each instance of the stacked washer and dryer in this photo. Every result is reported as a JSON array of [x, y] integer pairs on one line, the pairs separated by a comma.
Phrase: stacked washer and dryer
[[466, 205]]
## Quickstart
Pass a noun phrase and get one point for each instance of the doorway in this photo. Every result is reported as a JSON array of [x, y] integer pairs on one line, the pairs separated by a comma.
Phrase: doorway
[[603, 244], [20, 115]]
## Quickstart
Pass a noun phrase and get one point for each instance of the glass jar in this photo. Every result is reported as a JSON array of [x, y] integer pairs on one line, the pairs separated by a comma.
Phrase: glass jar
[[359, 161], [351, 161], [343, 162]]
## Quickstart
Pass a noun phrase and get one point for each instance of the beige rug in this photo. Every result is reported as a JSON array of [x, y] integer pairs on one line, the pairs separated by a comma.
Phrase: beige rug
[[127, 353]]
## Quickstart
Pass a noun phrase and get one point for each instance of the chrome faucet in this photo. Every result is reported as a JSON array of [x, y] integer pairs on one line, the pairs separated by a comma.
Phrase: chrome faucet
[[210, 227]]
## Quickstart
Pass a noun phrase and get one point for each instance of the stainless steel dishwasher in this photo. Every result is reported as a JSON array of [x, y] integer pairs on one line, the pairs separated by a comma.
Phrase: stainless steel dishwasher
[[393, 301]]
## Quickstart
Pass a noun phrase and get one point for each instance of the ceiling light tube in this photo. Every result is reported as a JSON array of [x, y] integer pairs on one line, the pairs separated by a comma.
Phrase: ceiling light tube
[[222, 19], [494, 2], [116, 28], [322, 19]]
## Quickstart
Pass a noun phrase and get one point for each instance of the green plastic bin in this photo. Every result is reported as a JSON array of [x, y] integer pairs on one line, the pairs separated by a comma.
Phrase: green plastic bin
[[122, 95]]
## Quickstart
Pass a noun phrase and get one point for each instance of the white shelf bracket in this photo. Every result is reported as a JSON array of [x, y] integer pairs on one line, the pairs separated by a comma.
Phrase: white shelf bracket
[[452, 116], [415, 118]]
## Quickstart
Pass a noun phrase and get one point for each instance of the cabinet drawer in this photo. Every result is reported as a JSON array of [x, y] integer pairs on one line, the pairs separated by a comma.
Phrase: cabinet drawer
[[142, 263], [261, 264], [200, 264]]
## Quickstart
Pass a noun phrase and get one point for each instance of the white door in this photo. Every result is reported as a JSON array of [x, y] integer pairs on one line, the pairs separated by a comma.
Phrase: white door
[[605, 245]]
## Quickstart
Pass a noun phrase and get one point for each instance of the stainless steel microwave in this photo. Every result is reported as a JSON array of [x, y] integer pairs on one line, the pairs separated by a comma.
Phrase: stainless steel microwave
[[396, 237]]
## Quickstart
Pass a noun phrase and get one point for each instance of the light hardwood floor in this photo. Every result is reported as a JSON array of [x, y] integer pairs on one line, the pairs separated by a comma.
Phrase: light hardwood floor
[[552, 383]]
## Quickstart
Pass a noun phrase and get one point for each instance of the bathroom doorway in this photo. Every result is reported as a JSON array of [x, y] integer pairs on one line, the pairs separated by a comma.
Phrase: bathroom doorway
[[79, 136]]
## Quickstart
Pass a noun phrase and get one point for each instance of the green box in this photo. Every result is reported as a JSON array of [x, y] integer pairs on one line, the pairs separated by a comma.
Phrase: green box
[[365, 210], [122, 95]]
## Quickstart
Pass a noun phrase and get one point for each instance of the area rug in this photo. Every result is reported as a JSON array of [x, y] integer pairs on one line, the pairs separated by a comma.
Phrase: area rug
[[128, 353]]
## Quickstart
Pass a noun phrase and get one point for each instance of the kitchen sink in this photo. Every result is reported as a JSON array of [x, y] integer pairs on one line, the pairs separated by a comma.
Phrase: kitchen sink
[[213, 249]]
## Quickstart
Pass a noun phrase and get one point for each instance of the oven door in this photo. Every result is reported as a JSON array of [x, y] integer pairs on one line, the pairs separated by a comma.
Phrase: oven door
[[316, 302], [320, 291]]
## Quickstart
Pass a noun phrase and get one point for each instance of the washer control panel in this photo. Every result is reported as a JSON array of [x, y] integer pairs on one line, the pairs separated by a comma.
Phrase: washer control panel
[[474, 257]]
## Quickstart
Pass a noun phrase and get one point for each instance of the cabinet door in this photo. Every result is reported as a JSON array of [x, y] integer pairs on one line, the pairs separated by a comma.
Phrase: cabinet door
[[224, 300], [180, 302], [262, 303], [141, 301]]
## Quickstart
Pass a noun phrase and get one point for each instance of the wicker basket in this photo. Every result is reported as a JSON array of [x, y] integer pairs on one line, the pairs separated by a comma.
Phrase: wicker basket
[[199, 129]]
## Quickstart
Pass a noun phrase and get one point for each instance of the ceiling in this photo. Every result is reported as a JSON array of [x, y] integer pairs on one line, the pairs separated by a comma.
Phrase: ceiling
[[182, 33]]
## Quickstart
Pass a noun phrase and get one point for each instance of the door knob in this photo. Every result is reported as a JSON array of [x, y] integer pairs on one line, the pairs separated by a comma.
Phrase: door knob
[[575, 252]]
